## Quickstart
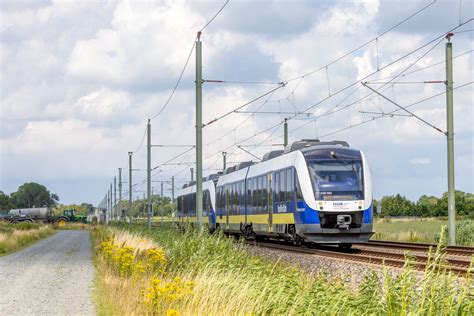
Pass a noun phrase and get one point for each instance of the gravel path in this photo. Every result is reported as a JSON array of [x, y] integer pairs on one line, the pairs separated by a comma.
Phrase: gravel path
[[54, 276]]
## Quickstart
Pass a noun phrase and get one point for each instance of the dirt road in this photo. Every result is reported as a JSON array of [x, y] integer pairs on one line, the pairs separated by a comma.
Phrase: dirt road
[[53, 276]]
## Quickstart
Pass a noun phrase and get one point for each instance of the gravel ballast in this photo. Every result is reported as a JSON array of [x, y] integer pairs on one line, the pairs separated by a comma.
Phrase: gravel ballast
[[53, 276]]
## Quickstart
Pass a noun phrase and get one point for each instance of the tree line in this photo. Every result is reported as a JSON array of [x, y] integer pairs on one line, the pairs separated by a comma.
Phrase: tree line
[[426, 206], [161, 205], [36, 195], [28, 195]]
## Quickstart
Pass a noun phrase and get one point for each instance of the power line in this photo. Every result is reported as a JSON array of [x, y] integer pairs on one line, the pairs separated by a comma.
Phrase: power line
[[281, 85], [365, 44], [141, 142], [215, 15], [177, 83], [402, 108], [185, 66], [396, 110]]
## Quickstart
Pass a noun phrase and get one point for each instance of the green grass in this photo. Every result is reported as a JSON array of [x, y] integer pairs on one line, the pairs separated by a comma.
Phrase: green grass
[[230, 281], [424, 230]]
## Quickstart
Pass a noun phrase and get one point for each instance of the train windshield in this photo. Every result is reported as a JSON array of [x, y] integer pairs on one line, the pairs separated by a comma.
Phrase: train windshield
[[336, 174]]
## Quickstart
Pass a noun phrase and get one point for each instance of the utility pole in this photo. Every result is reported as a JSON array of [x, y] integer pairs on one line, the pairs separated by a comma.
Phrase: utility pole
[[192, 173], [130, 153], [110, 195], [148, 170], [107, 209], [120, 192], [450, 138], [285, 133], [115, 197], [162, 204], [224, 163], [172, 200], [199, 130]]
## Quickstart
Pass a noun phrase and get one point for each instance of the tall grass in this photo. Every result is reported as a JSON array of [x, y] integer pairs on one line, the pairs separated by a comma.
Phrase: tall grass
[[227, 280], [16, 236], [422, 230]]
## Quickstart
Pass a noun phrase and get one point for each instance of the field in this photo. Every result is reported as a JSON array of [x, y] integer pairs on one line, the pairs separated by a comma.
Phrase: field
[[16, 236], [425, 230], [167, 272]]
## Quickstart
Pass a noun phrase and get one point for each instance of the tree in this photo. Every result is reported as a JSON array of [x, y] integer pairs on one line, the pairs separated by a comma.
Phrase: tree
[[5, 202], [396, 206], [33, 195], [427, 205], [82, 209]]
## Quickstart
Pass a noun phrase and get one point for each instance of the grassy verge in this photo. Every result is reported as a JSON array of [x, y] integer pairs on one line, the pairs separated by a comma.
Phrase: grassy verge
[[425, 230], [72, 226], [14, 237], [165, 272]]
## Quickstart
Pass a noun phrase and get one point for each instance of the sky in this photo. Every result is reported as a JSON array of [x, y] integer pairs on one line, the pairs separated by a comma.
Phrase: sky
[[80, 79]]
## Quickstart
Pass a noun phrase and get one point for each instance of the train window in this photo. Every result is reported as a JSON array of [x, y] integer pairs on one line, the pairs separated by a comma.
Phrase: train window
[[231, 198], [282, 195], [185, 204], [265, 194], [236, 197], [207, 202], [228, 198], [259, 194], [241, 195], [276, 186], [299, 195], [255, 195], [289, 185], [222, 203], [249, 192]]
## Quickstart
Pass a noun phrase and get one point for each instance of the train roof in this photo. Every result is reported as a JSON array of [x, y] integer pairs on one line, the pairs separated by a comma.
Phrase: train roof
[[282, 157], [191, 188], [305, 143]]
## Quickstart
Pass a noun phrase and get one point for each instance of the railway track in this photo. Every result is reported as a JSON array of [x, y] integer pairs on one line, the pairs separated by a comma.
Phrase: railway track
[[379, 256], [450, 250]]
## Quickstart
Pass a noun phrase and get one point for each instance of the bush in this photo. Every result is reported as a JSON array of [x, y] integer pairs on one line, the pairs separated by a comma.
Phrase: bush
[[464, 233]]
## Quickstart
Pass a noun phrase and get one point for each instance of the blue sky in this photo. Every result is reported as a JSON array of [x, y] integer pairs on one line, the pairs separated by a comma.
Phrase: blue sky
[[80, 78]]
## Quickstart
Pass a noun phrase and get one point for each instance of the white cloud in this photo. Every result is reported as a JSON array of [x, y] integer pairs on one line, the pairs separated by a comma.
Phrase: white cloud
[[79, 80], [420, 161]]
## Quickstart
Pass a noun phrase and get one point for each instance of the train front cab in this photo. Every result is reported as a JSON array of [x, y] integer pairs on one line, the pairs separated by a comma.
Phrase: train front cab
[[336, 192]]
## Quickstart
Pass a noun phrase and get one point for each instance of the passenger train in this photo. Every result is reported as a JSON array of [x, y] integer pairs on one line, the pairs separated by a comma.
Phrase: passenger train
[[311, 191]]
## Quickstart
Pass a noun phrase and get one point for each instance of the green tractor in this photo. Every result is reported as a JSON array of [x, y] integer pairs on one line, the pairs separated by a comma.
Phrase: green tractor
[[69, 216]]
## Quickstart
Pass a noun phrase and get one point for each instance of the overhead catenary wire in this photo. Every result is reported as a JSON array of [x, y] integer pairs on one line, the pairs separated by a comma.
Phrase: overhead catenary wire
[[364, 44], [345, 55], [186, 64], [280, 123], [214, 16], [402, 108], [396, 110], [281, 85]]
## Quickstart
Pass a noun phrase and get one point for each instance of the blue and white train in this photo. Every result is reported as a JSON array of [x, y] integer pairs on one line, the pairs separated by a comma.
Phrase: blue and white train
[[312, 191]]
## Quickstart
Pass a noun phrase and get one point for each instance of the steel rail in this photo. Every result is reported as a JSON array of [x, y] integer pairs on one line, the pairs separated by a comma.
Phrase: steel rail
[[379, 257], [450, 250]]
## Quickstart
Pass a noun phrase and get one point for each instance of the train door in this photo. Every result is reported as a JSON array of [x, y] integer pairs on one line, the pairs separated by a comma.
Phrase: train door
[[270, 202]]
